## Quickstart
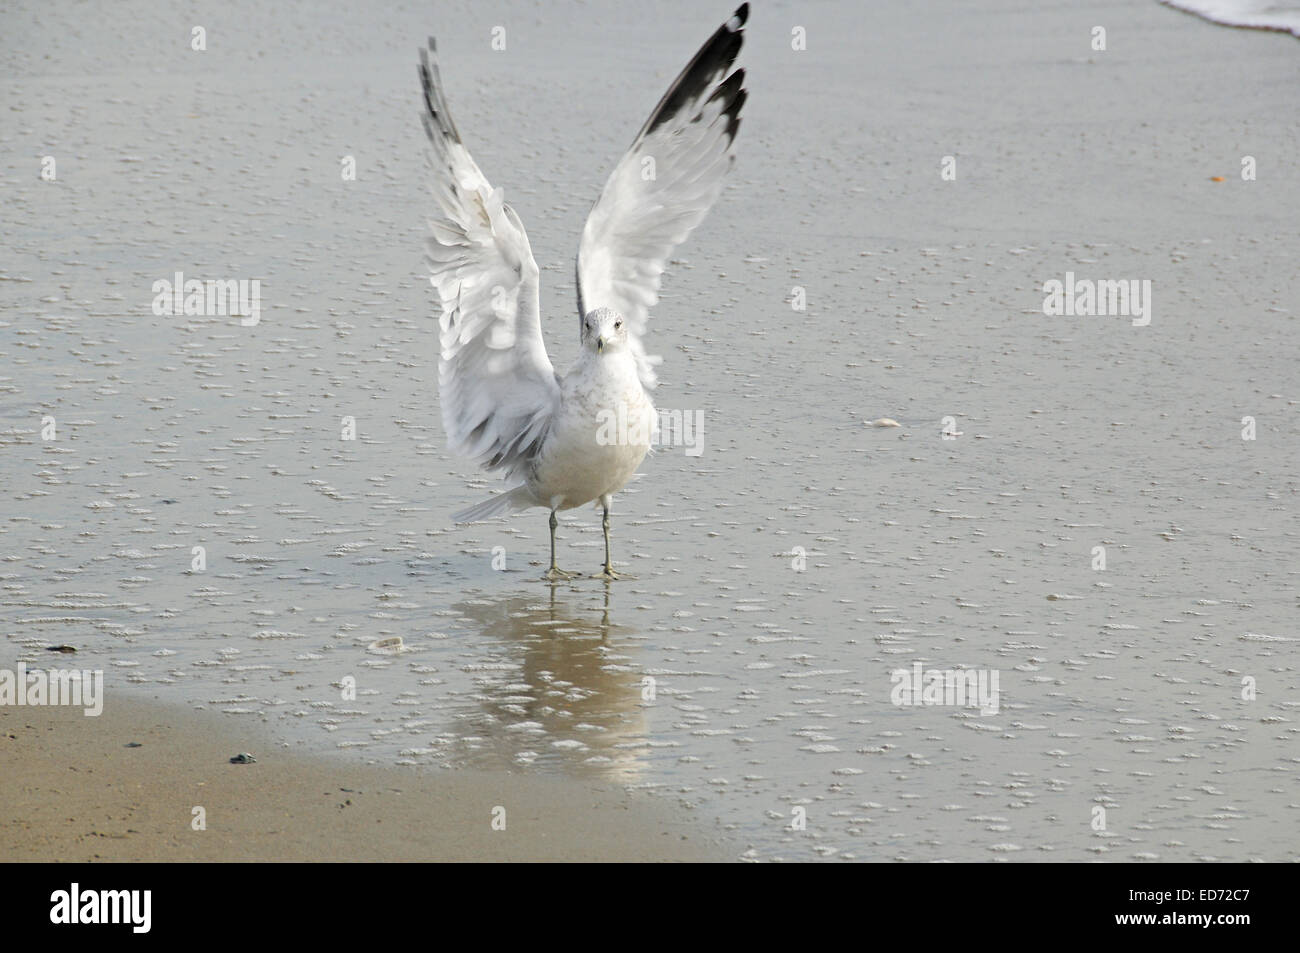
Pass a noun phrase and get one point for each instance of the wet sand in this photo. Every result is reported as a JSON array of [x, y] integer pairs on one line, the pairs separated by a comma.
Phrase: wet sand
[[73, 790], [783, 574]]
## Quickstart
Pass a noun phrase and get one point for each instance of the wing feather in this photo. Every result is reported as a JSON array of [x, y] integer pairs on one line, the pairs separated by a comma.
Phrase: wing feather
[[498, 388], [663, 187]]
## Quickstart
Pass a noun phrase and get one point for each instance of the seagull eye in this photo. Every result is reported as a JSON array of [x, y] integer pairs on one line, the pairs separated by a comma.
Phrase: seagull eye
[[617, 325]]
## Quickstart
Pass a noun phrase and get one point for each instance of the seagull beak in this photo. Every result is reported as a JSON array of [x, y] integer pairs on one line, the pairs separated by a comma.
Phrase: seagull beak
[[600, 345]]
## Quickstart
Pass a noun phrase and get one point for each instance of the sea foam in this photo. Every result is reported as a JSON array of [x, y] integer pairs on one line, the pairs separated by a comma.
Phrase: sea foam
[[1256, 14]]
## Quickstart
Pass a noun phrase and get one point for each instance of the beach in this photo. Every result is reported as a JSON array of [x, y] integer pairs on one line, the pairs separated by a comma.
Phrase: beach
[[150, 782], [245, 525]]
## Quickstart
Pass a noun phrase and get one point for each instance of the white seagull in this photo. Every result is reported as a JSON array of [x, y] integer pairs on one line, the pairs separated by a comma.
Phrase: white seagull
[[503, 404]]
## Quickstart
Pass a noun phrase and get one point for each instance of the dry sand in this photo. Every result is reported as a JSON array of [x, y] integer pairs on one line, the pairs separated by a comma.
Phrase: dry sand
[[72, 790]]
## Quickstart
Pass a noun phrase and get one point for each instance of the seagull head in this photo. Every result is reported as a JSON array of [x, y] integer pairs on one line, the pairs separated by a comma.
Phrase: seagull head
[[604, 330]]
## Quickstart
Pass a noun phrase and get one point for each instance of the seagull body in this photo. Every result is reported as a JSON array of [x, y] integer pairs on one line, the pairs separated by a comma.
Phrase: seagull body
[[567, 441], [575, 466]]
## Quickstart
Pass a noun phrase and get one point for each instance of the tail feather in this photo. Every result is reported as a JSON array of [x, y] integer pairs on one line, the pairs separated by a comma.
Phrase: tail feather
[[499, 505]]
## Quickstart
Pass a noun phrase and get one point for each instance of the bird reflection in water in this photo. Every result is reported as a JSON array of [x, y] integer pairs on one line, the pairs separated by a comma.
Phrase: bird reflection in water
[[560, 686]]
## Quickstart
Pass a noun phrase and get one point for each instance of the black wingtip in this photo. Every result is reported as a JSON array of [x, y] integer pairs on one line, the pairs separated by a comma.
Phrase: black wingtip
[[733, 114], [435, 101], [716, 56]]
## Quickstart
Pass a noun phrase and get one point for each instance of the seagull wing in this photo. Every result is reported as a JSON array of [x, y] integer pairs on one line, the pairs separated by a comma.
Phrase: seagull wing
[[663, 187], [498, 387]]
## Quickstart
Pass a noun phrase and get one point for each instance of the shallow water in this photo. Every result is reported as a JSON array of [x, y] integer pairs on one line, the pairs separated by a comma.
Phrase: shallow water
[[785, 572]]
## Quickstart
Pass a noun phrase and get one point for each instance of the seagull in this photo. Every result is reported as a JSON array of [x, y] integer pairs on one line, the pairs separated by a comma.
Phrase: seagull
[[563, 442]]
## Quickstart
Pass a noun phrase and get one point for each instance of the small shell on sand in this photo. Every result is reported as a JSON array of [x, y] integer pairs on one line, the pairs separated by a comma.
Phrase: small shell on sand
[[391, 646], [885, 422]]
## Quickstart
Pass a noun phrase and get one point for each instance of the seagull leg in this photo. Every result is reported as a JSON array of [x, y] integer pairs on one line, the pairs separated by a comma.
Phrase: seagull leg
[[555, 572], [609, 572]]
